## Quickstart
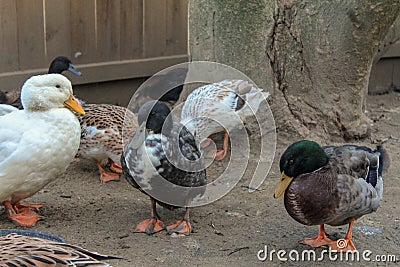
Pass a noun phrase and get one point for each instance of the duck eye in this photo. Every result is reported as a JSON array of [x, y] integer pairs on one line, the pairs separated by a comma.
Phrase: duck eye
[[291, 161], [58, 86]]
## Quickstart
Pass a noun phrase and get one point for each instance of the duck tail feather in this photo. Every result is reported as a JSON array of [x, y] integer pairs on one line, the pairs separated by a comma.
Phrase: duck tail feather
[[384, 159]]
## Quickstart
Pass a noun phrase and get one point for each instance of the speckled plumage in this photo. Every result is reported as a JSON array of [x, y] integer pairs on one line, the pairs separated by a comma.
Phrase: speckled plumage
[[159, 147], [32, 248], [163, 161], [230, 102], [103, 127]]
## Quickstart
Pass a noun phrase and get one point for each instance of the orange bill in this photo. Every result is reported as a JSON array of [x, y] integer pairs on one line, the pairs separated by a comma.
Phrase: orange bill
[[73, 104]]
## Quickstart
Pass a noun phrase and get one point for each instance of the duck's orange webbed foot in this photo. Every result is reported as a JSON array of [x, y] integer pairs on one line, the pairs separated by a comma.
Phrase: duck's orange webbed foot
[[153, 225], [31, 206], [320, 240], [180, 227], [115, 167], [23, 214], [105, 176], [342, 245], [345, 244], [149, 226]]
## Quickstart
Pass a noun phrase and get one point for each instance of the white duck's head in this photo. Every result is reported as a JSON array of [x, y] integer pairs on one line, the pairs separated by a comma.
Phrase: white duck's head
[[44, 92]]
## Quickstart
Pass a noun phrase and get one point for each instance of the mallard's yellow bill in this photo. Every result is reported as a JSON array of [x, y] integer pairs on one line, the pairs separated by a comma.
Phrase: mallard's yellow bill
[[284, 182], [74, 105]]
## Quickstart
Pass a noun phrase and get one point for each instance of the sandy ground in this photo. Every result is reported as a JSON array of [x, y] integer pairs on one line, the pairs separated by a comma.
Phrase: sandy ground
[[230, 231]]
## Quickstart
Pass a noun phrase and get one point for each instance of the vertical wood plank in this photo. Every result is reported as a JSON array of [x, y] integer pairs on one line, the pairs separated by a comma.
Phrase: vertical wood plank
[[131, 37], [30, 34], [108, 30], [8, 36], [154, 28], [58, 28], [177, 23], [83, 31]]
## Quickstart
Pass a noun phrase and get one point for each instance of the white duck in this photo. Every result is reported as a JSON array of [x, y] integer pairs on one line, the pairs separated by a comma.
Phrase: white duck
[[228, 102], [37, 143], [5, 109]]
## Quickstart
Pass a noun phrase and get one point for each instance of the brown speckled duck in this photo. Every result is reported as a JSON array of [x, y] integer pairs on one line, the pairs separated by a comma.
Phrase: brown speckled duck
[[101, 136], [332, 185], [33, 248]]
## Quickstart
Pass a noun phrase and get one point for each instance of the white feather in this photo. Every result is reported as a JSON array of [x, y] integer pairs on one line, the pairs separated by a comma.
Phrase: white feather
[[5, 109], [213, 108]]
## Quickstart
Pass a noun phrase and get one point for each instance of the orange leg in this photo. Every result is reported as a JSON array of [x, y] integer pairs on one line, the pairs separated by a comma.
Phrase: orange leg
[[19, 206], [22, 214], [205, 143], [318, 240], [182, 226], [345, 244], [115, 167], [153, 225], [220, 154], [105, 176]]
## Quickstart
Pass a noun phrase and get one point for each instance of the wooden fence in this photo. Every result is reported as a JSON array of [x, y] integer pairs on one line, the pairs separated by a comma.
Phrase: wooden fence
[[106, 39]]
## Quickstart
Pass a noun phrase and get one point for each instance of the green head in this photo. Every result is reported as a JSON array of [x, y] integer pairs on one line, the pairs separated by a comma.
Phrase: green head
[[301, 157]]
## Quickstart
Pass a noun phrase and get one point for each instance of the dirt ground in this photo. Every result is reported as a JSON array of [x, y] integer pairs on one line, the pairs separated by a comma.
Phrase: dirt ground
[[229, 231]]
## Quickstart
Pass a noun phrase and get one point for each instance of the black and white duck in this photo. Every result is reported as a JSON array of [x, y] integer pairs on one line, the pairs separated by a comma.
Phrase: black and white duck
[[163, 149]]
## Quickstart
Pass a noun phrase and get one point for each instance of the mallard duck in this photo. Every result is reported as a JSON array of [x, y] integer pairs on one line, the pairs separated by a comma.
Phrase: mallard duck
[[218, 107], [37, 143], [332, 185], [33, 248], [102, 126], [154, 153], [58, 65]]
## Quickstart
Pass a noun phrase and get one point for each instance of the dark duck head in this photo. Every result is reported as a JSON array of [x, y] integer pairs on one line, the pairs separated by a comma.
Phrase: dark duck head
[[60, 64], [299, 158], [153, 117]]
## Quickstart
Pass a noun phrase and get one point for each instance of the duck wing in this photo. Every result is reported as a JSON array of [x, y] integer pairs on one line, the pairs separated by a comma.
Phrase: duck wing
[[12, 135], [25, 250], [359, 181]]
